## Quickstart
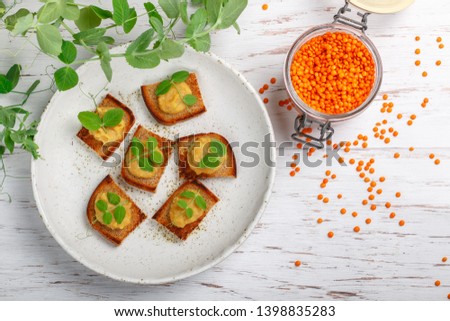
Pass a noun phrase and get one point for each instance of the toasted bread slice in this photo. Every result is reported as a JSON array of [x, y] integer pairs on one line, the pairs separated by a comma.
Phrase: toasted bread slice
[[227, 168], [151, 100], [162, 216], [116, 236], [106, 150], [147, 184]]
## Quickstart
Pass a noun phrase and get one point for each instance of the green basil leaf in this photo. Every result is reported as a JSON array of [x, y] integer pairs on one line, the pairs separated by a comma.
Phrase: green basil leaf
[[5, 85], [121, 10], [188, 194], [88, 19], [213, 8], [113, 117], [171, 49], [135, 151], [105, 59], [49, 12], [231, 12], [163, 87], [92, 37], [113, 198], [102, 13], [200, 202], [107, 218], [217, 148], [152, 11], [157, 26], [49, 39], [23, 24], [68, 52], [13, 75], [182, 204], [190, 100], [130, 22], [152, 143], [184, 12], [189, 212], [119, 214], [101, 205], [157, 158], [202, 44], [66, 78], [11, 20], [197, 23], [170, 7], [90, 120]]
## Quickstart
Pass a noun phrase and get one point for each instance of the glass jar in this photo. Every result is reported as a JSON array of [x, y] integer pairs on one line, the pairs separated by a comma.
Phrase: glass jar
[[308, 116]]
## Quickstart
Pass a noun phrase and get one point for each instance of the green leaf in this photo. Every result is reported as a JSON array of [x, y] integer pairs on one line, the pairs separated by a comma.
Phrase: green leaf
[[189, 212], [152, 11], [5, 85], [137, 56], [121, 10], [170, 7], [157, 158], [113, 198], [107, 218], [66, 78], [183, 204], [152, 143], [209, 161], [69, 10], [102, 13], [2, 148], [130, 22], [11, 20], [231, 12], [101, 205], [137, 148], [49, 39], [180, 76], [218, 148], [49, 12], [237, 28], [200, 202], [23, 24], [184, 12], [92, 37], [90, 120], [13, 75], [145, 165], [113, 117], [188, 194], [189, 100], [171, 49], [202, 44], [68, 52], [88, 19], [213, 8], [163, 87], [157, 26], [2, 13], [9, 143], [119, 214], [105, 59], [197, 23]]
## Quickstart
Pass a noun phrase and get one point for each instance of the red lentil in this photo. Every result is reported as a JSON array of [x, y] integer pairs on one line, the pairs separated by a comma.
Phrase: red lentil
[[298, 263], [330, 234]]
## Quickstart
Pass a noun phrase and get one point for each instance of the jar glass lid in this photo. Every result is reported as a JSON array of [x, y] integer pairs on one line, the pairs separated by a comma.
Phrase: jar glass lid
[[382, 6]]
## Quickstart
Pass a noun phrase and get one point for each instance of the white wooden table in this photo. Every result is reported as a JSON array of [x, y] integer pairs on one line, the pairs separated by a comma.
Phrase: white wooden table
[[383, 262]]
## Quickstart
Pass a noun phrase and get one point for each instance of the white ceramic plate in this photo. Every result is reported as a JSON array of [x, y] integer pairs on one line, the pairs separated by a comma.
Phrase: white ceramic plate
[[68, 173], [382, 6]]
